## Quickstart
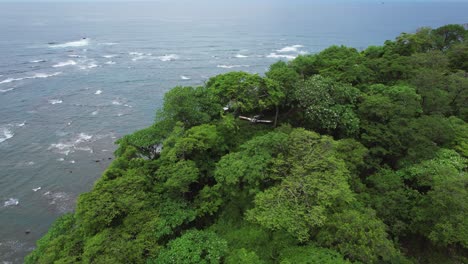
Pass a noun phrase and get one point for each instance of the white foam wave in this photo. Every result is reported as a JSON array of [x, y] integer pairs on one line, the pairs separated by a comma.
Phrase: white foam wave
[[95, 113], [281, 56], [90, 65], [232, 66], [5, 134], [65, 63], [75, 56], [44, 75], [170, 57], [6, 90], [70, 146], [183, 77], [98, 92], [36, 61], [293, 48], [21, 124], [241, 56], [109, 56], [35, 76], [55, 101], [60, 200], [139, 55], [108, 43], [136, 53], [36, 189], [110, 62], [79, 43], [11, 202]]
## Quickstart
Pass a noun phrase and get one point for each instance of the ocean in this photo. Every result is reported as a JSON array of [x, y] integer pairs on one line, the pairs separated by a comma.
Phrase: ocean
[[75, 77]]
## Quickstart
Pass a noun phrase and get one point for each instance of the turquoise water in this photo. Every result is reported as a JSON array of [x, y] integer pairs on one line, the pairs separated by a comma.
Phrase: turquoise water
[[75, 77]]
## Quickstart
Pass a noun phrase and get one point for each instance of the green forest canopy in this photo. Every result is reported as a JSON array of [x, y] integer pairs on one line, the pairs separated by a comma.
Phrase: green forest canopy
[[365, 162]]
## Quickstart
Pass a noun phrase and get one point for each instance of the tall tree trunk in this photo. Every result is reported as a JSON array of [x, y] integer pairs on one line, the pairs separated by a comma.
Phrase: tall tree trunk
[[276, 116]]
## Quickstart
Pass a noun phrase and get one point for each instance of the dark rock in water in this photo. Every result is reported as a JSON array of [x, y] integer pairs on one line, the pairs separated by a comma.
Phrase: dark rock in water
[[71, 171], [27, 232], [109, 158], [97, 161]]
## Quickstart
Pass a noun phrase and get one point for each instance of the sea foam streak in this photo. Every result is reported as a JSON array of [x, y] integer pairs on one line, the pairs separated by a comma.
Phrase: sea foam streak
[[55, 101], [11, 202], [78, 43], [65, 63], [184, 77], [170, 57], [232, 66], [98, 92], [5, 134], [35, 76], [241, 56], [68, 147], [281, 56], [293, 48]]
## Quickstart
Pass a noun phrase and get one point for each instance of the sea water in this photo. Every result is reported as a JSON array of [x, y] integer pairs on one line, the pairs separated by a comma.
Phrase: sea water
[[75, 77]]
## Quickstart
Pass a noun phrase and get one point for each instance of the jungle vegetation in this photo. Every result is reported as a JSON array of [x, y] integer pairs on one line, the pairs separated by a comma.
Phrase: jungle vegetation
[[364, 161]]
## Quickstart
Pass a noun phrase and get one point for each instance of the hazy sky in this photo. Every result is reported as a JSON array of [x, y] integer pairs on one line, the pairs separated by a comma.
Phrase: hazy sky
[[348, 1]]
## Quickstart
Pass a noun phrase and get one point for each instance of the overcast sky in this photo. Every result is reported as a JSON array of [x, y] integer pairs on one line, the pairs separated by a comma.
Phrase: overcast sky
[[194, 1]]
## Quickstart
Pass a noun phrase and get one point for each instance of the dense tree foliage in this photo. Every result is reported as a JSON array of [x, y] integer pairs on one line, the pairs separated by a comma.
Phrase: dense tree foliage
[[365, 162]]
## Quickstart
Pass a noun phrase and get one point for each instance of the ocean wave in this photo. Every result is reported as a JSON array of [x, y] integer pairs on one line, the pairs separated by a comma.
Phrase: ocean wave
[[37, 61], [98, 92], [134, 53], [169, 57], [62, 201], [69, 146], [281, 56], [108, 43], [109, 56], [241, 56], [232, 66], [293, 48], [11, 202], [6, 90], [139, 55], [5, 134], [65, 63], [75, 56], [88, 65], [36, 189], [55, 101], [79, 43], [183, 77], [95, 113], [35, 76], [110, 62]]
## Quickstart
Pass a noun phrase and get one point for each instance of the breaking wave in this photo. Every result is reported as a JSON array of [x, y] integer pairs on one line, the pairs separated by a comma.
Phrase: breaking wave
[[281, 56], [232, 66], [5, 134], [35, 76], [169, 57], [11, 202], [293, 48], [79, 43], [65, 63]]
